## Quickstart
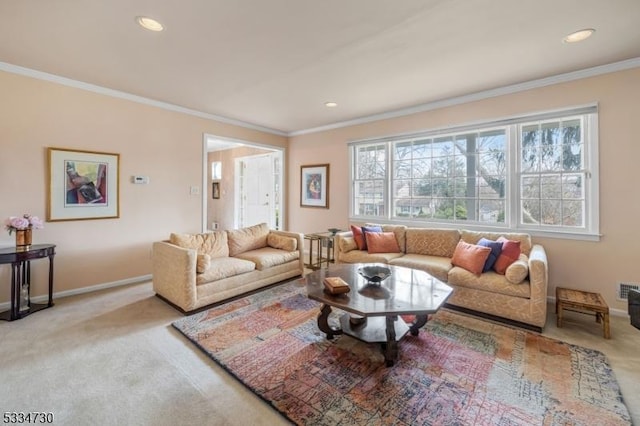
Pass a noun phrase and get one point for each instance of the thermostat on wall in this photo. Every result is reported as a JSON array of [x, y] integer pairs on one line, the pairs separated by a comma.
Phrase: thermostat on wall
[[140, 179]]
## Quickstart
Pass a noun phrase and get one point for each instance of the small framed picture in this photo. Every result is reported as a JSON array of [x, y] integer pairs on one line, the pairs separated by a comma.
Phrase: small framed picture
[[215, 190], [314, 186], [83, 185]]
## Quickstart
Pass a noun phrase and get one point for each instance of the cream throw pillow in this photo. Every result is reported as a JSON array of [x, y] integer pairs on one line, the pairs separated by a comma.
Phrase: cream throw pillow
[[212, 243], [347, 244], [518, 270], [282, 242], [245, 239]]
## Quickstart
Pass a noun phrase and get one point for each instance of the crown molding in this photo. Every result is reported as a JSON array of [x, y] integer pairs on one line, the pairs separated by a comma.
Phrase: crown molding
[[486, 94], [40, 75]]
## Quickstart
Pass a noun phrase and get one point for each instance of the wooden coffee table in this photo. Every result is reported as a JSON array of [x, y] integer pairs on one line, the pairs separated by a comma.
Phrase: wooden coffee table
[[378, 307]]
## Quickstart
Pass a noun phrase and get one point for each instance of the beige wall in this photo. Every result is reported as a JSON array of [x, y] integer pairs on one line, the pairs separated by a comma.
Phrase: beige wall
[[595, 266], [167, 147], [222, 210], [164, 145]]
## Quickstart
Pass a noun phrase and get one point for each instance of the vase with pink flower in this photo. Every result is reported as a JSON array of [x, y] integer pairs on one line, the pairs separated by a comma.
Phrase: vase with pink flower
[[23, 226]]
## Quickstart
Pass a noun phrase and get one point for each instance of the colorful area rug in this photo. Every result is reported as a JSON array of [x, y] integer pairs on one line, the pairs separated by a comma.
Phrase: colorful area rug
[[459, 370]]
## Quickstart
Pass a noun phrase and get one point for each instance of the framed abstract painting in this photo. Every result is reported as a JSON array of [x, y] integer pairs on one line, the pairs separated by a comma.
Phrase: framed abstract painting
[[314, 186], [83, 185]]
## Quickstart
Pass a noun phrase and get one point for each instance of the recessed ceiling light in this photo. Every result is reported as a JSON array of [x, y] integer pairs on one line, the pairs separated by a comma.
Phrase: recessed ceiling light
[[330, 104], [580, 35], [149, 23]]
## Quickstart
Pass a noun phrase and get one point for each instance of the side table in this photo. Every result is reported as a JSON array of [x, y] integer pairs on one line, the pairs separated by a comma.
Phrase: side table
[[583, 302], [20, 261], [320, 240]]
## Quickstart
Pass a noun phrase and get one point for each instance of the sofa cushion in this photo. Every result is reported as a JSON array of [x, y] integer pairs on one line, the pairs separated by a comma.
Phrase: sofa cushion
[[518, 270], [509, 254], [432, 242], [224, 267], [382, 242], [268, 257], [212, 243], [470, 257], [490, 282], [438, 266], [245, 239], [362, 256], [473, 237], [496, 249], [282, 242], [203, 261]]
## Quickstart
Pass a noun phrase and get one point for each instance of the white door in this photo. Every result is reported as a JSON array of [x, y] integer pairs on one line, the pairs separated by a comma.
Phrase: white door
[[256, 191]]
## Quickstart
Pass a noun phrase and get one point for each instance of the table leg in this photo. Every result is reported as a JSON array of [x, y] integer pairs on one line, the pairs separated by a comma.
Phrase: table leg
[[323, 323], [605, 324], [50, 281], [15, 293], [559, 311], [418, 322], [390, 349]]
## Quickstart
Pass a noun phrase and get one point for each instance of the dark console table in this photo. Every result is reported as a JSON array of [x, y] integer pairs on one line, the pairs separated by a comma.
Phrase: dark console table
[[20, 260]]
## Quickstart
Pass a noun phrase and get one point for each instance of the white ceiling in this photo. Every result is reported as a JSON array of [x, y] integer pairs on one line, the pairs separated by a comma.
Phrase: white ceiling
[[275, 63]]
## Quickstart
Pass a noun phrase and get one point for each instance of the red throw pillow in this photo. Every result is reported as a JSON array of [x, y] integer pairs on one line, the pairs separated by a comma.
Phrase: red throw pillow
[[470, 257], [382, 242], [509, 254], [358, 236]]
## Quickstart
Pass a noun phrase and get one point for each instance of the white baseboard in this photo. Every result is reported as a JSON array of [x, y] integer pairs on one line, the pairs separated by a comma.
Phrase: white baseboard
[[56, 295]]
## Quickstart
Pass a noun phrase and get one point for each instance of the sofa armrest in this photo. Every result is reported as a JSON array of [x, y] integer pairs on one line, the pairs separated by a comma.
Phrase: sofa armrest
[[300, 239], [340, 236], [538, 275], [174, 274]]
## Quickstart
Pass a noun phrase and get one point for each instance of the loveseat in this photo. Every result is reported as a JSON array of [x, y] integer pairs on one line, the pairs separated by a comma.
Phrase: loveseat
[[192, 271], [517, 294]]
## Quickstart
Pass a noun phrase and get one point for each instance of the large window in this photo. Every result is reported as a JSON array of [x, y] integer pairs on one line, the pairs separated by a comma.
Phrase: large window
[[531, 173]]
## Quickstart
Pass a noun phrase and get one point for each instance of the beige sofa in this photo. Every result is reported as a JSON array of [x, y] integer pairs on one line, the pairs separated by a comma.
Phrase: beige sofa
[[489, 294], [192, 271]]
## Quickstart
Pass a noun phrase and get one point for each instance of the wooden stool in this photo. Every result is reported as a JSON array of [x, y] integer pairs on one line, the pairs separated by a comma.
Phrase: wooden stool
[[583, 302]]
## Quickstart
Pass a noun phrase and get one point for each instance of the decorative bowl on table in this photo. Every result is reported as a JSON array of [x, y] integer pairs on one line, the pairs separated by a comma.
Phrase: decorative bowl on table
[[374, 273], [334, 231]]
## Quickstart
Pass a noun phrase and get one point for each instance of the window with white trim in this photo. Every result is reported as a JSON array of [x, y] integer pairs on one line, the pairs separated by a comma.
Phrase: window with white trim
[[531, 173]]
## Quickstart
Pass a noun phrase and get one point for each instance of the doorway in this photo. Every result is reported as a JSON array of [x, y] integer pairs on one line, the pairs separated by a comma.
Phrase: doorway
[[258, 192], [243, 182]]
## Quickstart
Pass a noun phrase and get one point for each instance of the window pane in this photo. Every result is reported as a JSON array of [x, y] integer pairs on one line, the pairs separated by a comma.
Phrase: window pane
[[491, 211], [573, 213], [550, 186], [551, 212], [572, 187], [402, 169], [530, 212]]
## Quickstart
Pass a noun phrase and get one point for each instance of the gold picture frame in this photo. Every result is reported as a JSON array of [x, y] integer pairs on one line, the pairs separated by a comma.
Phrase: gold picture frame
[[82, 185]]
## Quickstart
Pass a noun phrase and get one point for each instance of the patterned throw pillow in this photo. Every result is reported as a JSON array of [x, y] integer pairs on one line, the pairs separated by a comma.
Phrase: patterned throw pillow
[[470, 257], [509, 254], [496, 249], [382, 242]]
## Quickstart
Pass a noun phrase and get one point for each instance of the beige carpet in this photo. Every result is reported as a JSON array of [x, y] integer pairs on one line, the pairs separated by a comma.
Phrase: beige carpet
[[112, 357]]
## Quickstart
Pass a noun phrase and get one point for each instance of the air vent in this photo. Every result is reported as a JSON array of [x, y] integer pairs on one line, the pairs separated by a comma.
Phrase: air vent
[[623, 290]]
